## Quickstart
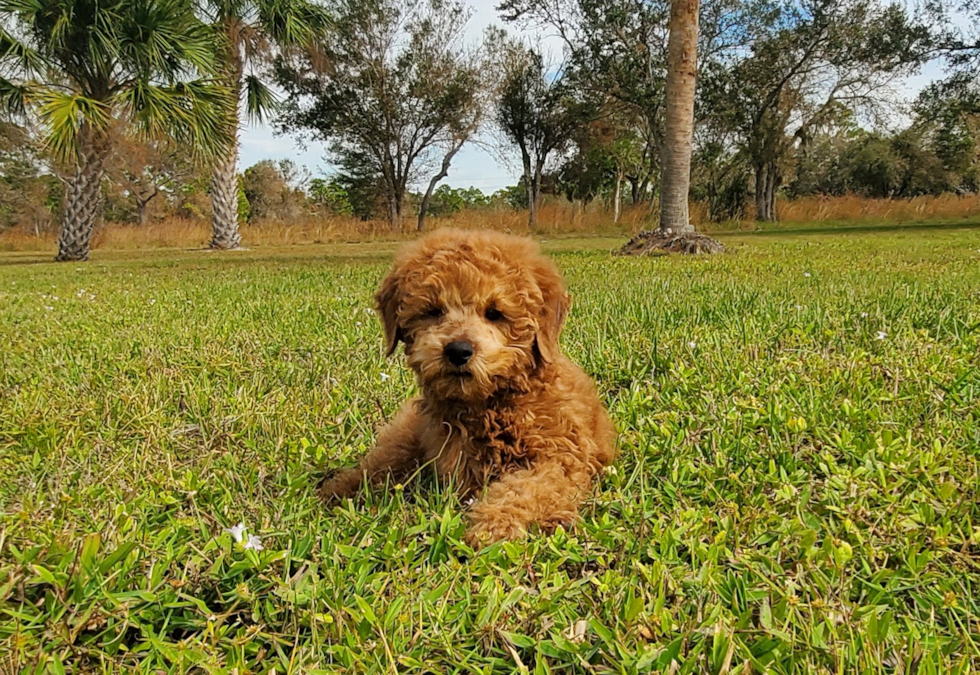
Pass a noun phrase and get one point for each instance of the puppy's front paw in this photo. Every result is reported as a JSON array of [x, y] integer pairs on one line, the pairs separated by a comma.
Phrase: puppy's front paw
[[345, 483], [483, 532]]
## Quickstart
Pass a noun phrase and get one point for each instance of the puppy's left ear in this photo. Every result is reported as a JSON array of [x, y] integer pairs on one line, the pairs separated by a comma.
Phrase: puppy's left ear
[[388, 298], [554, 309]]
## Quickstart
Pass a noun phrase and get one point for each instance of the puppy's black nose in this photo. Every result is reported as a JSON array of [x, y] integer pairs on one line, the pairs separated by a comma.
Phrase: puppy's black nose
[[458, 352]]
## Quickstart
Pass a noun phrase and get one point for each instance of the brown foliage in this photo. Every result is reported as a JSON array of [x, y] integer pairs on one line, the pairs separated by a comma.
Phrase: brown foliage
[[556, 217]]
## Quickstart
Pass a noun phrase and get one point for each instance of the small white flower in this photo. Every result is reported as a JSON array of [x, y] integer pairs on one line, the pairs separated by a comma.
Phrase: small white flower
[[864, 315], [254, 543], [357, 323], [799, 307], [385, 376], [576, 632], [153, 301], [881, 335], [237, 532], [692, 344], [806, 274], [48, 307]]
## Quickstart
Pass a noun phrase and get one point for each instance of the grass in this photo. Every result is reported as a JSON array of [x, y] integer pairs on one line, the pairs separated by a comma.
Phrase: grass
[[794, 494]]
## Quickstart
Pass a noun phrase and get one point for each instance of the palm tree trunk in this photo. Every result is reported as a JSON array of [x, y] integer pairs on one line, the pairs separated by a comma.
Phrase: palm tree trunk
[[224, 201], [224, 173], [682, 49], [83, 198]]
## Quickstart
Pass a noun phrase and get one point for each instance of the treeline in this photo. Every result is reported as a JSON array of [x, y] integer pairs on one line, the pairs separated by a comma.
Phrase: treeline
[[931, 156], [105, 120]]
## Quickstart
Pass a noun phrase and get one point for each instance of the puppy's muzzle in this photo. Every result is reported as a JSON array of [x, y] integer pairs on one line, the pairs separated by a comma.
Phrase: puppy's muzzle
[[458, 352]]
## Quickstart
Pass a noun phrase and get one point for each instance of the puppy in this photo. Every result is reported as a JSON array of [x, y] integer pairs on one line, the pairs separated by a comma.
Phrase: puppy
[[502, 412]]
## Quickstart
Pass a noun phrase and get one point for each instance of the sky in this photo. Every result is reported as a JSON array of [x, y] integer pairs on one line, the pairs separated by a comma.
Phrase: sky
[[473, 166]]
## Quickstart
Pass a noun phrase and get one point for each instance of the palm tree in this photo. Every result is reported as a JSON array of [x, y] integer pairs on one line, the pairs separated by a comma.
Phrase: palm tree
[[248, 28], [86, 68], [682, 57], [676, 233]]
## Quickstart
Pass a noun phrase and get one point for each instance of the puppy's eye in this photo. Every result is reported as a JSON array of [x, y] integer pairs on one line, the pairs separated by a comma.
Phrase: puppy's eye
[[433, 312], [493, 314]]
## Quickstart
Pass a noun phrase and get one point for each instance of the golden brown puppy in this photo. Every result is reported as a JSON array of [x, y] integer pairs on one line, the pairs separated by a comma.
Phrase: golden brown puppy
[[503, 412]]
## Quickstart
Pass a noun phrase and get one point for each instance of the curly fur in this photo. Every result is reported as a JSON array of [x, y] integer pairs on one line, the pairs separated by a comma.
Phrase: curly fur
[[519, 426]]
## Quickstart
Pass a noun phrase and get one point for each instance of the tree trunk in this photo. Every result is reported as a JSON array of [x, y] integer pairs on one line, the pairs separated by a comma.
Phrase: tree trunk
[[395, 217], [675, 181], [142, 201], [396, 204], [532, 206], [766, 179], [224, 201], [532, 211], [83, 197], [534, 201], [224, 174], [772, 185], [443, 172], [617, 195]]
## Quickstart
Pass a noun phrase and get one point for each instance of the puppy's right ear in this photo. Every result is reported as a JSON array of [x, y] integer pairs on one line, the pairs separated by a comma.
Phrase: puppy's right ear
[[388, 298]]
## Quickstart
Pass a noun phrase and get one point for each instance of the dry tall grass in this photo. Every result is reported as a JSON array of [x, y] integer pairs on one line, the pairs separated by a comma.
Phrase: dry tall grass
[[556, 217]]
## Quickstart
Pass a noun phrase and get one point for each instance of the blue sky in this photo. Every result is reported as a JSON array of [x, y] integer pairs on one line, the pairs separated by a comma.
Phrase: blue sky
[[473, 166]]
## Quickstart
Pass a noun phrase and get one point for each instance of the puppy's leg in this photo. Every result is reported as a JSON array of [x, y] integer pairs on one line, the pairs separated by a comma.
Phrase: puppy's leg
[[397, 454], [548, 494]]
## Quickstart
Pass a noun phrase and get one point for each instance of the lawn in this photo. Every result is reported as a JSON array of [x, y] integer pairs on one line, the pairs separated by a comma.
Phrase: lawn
[[798, 488]]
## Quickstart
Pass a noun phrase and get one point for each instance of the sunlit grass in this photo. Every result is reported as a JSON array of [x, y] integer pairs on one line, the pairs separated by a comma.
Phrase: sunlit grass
[[797, 492]]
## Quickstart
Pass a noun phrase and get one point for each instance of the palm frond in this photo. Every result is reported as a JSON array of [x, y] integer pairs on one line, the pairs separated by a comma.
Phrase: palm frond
[[260, 100], [292, 22], [13, 98], [193, 113], [166, 38], [64, 115], [18, 56]]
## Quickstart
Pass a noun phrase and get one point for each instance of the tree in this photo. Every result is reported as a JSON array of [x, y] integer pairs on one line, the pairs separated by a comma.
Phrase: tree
[[809, 63], [540, 114], [147, 172], [82, 66], [682, 59], [29, 192], [676, 233], [274, 190], [394, 85], [248, 29], [617, 50]]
